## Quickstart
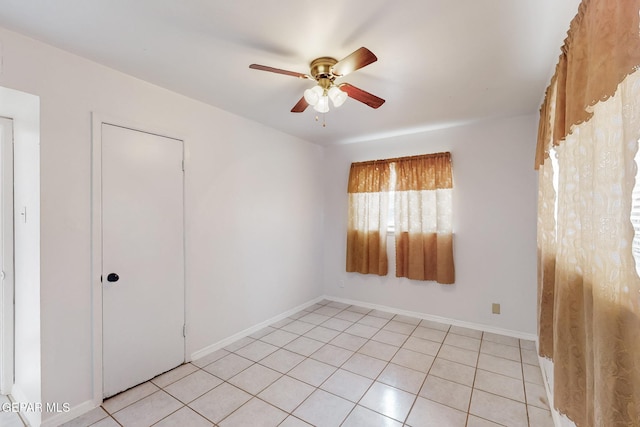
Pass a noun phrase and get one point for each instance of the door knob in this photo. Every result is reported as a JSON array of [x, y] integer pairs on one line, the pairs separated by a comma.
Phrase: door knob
[[113, 277]]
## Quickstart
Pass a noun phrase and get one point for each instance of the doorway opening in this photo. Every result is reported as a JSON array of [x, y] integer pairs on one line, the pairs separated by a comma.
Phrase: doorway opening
[[20, 367], [7, 330]]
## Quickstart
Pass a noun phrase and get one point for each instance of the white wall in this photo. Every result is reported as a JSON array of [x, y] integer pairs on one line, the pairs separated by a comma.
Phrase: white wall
[[254, 235], [494, 225], [23, 108], [252, 232]]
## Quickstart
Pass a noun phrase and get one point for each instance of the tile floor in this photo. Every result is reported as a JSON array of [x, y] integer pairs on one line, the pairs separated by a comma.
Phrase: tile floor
[[8, 418], [339, 365]]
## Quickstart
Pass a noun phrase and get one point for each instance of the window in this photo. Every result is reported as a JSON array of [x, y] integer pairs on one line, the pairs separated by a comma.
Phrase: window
[[391, 221], [413, 196]]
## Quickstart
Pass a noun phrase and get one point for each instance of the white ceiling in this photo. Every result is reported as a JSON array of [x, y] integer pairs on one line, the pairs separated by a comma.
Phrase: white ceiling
[[440, 62]]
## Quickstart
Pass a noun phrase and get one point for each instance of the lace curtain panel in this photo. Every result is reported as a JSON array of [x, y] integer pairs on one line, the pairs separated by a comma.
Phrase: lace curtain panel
[[596, 348], [368, 193], [423, 218], [589, 291]]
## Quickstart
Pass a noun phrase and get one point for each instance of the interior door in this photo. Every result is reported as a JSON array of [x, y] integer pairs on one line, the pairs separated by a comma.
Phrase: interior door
[[142, 256], [6, 256]]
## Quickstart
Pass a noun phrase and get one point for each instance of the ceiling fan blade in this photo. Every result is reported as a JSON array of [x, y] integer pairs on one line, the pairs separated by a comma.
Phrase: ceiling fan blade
[[279, 71], [361, 95], [300, 106], [358, 59]]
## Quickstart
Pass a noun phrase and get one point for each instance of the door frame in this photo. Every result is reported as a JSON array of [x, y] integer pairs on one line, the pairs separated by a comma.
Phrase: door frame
[[97, 119], [7, 332]]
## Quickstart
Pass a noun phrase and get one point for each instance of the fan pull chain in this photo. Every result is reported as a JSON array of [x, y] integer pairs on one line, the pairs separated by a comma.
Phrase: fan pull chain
[[324, 120]]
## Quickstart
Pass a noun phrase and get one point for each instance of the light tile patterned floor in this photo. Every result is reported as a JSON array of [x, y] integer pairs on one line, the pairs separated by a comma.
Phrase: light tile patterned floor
[[339, 365], [7, 417]]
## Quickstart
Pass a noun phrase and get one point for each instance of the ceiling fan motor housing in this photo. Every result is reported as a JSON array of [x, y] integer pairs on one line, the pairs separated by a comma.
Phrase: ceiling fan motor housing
[[321, 70]]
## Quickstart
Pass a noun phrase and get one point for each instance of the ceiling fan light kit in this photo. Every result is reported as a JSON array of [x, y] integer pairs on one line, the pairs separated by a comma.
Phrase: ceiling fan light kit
[[319, 98], [323, 105], [312, 95], [337, 96], [324, 71]]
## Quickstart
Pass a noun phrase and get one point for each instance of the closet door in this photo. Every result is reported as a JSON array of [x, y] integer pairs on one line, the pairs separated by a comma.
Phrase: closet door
[[142, 256]]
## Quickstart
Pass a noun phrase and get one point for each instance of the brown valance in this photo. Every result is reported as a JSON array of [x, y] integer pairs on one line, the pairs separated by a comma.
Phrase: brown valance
[[369, 177], [427, 172], [435, 172], [602, 47]]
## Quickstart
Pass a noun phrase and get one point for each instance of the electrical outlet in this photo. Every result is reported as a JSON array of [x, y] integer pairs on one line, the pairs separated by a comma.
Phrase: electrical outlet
[[495, 308]]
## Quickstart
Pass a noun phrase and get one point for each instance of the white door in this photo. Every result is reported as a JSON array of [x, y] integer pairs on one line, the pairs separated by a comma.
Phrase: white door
[[6, 256], [142, 256]]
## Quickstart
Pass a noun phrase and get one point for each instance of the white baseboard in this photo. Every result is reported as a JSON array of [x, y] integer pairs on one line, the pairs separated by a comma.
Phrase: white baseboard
[[74, 412], [471, 325], [439, 319], [559, 420], [233, 338]]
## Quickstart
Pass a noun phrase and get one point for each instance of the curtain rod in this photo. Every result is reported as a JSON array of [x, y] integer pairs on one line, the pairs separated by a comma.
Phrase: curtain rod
[[397, 159]]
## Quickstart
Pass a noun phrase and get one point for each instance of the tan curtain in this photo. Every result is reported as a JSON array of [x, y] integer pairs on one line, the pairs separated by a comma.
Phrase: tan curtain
[[546, 239], [368, 192], [596, 349], [589, 291], [601, 48], [423, 219], [546, 259]]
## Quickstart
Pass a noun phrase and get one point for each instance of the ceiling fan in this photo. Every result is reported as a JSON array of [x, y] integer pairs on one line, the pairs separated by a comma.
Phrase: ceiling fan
[[325, 70]]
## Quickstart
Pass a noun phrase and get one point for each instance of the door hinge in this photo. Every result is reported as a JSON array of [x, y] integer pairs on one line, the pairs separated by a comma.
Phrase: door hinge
[[184, 330], [183, 166]]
